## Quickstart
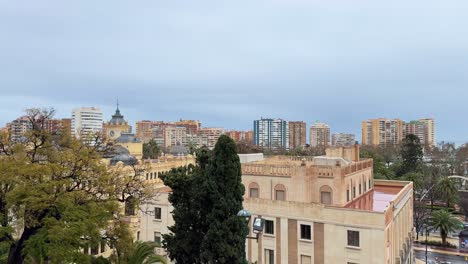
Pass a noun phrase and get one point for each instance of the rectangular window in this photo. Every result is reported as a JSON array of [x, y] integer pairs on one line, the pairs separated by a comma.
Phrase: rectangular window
[[306, 259], [353, 238], [325, 197], [157, 239], [269, 227], [280, 195], [306, 232], [365, 186], [354, 192], [253, 192], [95, 249], [157, 213], [138, 235], [360, 189], [347, 195], [269, 256]]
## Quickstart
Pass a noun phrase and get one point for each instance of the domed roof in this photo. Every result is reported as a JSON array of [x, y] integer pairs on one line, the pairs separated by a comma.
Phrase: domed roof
[[126, 159], [127, 138], [117, 118], [114, 151]]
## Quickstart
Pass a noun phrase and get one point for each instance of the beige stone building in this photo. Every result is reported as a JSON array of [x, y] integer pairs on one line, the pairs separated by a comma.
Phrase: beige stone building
[[297, 134], [327, 210]]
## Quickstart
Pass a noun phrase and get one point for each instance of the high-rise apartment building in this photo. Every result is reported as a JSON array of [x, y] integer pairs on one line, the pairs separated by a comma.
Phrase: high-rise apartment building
[[144, 130], [174, 136], [238, 136], [319, 134], [297, 134], [423, 129], [416, 128], [21, 125], [208, 136], [382, 131], [86, 120], [343, 139], [18, 127], [192, 126], [429, 133], [271, 133]]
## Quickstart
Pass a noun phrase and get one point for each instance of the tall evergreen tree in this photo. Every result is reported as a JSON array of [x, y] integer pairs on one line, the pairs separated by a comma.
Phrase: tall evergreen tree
[[224, 239], [188, 195], [411, 154]]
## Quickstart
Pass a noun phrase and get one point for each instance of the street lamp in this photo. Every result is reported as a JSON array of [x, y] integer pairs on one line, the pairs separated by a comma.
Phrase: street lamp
[[257, 226], [426, 227]]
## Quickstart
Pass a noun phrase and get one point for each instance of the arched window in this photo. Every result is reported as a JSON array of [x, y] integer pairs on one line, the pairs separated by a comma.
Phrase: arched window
[[254, 190], [280, 192], [326, 194]]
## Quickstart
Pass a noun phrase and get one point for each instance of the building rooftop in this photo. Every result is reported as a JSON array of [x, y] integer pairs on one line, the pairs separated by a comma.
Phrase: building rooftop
[[127, 138], [376, 200]]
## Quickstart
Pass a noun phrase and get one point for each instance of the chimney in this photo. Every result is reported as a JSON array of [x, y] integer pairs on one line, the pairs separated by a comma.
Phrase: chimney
[[356, 151]]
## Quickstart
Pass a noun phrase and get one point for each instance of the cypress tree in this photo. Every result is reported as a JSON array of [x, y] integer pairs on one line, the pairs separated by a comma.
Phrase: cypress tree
[[187, 197], [224, 239]]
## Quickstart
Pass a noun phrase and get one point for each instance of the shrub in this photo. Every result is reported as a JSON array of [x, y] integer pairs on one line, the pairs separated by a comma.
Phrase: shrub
[[437, 244]]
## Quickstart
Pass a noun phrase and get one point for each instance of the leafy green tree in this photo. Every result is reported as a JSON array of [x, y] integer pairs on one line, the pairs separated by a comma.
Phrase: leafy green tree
[[417, 179], [151, 150], [448, 190], [381, 171], [183, 244], [224, 240], [59, 193], [446, 222], [411, 155]]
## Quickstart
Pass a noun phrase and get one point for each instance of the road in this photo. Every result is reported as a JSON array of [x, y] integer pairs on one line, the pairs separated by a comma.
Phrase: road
[[431, 258]]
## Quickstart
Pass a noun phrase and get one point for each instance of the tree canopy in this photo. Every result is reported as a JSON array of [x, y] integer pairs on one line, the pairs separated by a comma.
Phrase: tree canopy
[[206, 200], [151, 150], [58, 196]]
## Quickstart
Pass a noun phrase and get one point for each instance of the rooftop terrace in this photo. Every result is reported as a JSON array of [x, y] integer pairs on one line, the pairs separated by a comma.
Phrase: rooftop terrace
[[376, 200]]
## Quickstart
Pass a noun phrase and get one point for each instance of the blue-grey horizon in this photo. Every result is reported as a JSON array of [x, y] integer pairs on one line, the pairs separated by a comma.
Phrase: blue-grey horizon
[[227, 63]]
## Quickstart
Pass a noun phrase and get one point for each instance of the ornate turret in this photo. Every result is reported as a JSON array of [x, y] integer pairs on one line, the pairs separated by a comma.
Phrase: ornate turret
[[117, 118], [117, 125]]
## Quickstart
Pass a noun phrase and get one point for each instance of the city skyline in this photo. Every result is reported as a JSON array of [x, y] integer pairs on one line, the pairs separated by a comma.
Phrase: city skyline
[[409, 63]]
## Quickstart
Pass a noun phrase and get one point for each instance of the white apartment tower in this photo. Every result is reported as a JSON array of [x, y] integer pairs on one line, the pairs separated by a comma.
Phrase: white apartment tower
[[86, 120], [271, 133]]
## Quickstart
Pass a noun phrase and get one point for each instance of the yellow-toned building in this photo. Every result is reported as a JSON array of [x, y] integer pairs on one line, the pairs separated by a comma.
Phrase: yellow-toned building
[[116, 126], [382, 131], [131, 143]]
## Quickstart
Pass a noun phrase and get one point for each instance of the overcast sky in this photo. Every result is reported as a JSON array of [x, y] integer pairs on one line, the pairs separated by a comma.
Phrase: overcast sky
[[227, 63]]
